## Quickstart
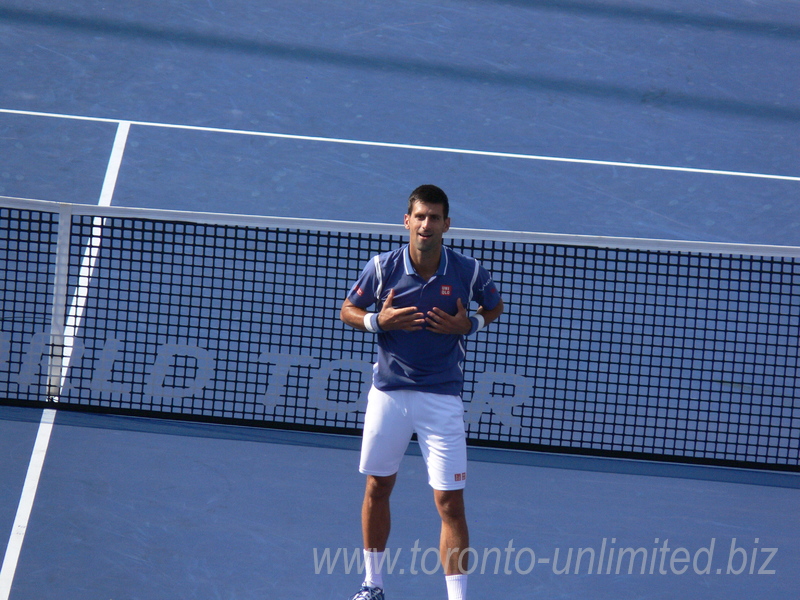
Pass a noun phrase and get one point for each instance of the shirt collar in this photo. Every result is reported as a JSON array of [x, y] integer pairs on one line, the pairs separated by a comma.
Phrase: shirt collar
[[444, 260]]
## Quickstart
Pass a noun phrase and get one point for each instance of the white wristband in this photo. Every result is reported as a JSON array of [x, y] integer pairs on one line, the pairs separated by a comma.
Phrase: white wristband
[[478, 323], [371, 323]]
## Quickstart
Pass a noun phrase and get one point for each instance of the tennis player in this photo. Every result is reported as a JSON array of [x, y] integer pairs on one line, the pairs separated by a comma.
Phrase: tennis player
[[421, 293]]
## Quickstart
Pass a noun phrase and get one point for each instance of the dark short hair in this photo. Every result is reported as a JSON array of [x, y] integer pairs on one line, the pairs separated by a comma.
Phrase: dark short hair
[[429, 194]]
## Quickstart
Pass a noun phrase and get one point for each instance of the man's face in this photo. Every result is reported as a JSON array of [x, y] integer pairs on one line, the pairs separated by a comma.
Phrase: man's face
[[426, 225]]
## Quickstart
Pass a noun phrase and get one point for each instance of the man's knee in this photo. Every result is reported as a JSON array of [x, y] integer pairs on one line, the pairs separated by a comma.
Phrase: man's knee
[[450, 504], [379, 488]]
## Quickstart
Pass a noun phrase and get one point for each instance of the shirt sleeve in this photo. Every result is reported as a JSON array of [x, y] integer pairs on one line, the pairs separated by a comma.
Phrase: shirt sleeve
[[364, 292], [484, 290]]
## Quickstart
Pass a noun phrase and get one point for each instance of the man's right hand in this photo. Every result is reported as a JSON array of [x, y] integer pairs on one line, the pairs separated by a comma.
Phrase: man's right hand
[[403, 319]]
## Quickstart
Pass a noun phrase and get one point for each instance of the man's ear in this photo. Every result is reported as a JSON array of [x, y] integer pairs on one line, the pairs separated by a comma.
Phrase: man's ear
[[446, 225], [406, 218]]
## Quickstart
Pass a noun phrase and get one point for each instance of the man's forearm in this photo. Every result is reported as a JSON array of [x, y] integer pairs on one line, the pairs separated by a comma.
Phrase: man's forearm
[[353, 316], [491, 315]]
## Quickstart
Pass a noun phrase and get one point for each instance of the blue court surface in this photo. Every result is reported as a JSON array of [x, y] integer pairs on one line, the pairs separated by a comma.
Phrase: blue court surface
[[139, 509], [675, 120]]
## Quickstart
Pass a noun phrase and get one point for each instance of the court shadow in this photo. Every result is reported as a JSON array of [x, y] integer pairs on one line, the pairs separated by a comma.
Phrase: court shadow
[[661, 16], [661, 98]]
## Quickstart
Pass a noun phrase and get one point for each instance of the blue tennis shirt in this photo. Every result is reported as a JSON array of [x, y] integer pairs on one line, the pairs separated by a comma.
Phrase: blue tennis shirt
[[422, 360]]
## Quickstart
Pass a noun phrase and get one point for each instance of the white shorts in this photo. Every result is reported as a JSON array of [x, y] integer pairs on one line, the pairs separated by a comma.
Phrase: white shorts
[[438, 420]]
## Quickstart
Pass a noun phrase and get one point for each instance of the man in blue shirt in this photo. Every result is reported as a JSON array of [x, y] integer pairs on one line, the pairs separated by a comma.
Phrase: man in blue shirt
[[421, 293]]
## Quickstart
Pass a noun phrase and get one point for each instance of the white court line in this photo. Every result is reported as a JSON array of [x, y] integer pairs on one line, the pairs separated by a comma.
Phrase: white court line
[[73, 320], [114, 163], [89, 260], [487, 153], [25, 506]]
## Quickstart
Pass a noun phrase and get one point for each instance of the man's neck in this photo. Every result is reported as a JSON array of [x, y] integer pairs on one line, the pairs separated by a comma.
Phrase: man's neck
[[425, 263]]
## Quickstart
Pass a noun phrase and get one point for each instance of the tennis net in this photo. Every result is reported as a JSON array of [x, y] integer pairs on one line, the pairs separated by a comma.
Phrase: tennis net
[[641, 348]]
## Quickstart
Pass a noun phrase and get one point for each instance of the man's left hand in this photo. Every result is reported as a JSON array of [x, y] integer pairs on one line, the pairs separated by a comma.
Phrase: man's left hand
[[438, 321]]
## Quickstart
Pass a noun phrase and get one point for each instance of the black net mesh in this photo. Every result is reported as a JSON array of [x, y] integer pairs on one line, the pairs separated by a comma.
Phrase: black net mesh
[[28, 244], [686, 355]]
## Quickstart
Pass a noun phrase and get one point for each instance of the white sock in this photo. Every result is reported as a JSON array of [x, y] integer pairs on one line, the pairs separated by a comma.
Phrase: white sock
[[456, 587], [373, 562]]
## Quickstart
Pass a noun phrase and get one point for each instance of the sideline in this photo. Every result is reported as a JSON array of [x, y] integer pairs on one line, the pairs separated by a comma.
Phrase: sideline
[[63, 336]]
